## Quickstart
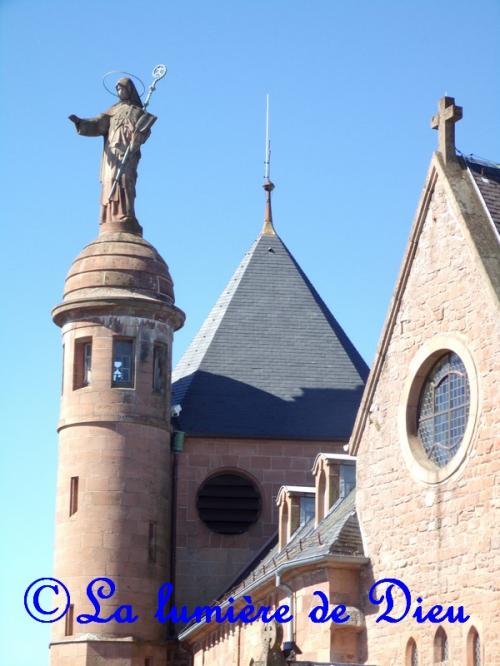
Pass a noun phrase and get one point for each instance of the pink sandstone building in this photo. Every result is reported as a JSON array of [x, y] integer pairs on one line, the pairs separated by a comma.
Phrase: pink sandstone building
[[270, 464]]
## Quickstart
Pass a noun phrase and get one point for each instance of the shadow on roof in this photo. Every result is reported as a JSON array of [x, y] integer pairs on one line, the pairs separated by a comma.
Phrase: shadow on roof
[[220, 406]]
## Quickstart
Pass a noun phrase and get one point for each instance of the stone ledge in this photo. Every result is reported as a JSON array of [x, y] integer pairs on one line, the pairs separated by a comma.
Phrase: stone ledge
[[323, 663]]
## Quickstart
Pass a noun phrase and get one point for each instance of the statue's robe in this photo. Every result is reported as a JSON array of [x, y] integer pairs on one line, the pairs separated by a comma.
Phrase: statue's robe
[[122, 125]]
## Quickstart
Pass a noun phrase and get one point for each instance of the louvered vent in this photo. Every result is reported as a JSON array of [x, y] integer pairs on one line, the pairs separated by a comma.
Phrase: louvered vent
[[228, 503]]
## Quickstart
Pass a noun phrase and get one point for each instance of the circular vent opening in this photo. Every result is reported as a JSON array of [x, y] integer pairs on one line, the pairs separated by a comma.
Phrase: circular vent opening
[[228, 503]]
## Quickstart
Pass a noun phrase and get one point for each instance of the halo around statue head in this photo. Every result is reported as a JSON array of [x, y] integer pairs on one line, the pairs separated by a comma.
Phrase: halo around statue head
[[132, 76]]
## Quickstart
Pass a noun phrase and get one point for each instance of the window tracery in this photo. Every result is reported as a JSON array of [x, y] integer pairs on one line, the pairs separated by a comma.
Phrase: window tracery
[[443, 409]]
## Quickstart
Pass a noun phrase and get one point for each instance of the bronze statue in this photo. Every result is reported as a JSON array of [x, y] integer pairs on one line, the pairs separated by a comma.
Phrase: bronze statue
[[125, 127]]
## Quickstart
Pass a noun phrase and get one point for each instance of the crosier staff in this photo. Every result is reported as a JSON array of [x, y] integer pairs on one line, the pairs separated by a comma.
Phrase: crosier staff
[[143, 124]]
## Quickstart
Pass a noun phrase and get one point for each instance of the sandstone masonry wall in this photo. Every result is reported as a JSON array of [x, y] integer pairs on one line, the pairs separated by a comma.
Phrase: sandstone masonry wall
[[442, 539], [207, 562]]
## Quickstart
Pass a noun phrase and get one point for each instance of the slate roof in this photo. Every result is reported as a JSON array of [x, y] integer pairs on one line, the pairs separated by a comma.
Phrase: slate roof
[[486, 175], [337, 534], [270, 360]]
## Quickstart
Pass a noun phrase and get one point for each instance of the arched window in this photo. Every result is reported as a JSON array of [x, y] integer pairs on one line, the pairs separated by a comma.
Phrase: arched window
[[411, 653], [440, 646], [473, 648]]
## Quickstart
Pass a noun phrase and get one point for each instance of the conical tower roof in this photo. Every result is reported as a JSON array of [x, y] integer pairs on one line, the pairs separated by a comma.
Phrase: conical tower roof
[[270, 360]]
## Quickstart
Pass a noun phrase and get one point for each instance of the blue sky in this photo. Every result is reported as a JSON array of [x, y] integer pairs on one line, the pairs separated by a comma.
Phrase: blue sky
[[352, 85]]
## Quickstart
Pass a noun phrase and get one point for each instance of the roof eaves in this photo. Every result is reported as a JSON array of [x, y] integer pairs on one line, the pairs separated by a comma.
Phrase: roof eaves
[[327, 558]]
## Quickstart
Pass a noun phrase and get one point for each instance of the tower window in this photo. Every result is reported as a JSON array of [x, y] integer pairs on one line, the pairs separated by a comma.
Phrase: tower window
[[159, 368], [82, 369], [68, 624], [152, 542], [122, 371], [62, 373], [73, 495]]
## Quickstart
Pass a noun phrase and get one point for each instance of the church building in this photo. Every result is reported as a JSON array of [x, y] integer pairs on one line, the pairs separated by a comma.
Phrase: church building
[[270, 465]]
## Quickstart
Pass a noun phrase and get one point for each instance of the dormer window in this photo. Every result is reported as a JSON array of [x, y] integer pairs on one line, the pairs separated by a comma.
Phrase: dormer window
[[347, 479], [335, 478], [306, 508], [296, 506], [123, 367]]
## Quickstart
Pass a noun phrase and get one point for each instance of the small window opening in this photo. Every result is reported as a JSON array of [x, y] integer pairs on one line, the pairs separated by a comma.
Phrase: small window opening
[[73, 495], [82, 370], [123, 363], [159, 368], [68, 623], [152, 542], [473, 648], [476, 645], [411, 653], [62, 372], [440, 646]]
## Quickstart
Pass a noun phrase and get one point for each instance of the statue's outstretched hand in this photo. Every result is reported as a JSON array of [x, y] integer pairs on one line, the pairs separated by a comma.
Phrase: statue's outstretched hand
[[74, 119]]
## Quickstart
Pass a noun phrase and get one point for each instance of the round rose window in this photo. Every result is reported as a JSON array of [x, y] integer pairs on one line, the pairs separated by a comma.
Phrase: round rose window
[[443, 409]]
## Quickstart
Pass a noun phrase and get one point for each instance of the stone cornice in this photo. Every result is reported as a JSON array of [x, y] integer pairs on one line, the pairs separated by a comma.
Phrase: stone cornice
[[129, 306]]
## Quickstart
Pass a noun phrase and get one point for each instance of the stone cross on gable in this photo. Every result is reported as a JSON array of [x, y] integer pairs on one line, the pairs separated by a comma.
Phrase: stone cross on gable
[[444, 121]]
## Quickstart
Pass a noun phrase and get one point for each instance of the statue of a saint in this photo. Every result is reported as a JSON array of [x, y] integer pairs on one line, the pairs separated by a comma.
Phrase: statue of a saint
[[124, 126]]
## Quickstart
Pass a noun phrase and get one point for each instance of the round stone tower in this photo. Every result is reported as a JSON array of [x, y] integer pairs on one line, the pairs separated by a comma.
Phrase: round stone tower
[[113, 490]]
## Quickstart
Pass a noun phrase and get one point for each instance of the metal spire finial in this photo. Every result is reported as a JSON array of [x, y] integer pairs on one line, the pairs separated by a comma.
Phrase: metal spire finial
[[268, 229]]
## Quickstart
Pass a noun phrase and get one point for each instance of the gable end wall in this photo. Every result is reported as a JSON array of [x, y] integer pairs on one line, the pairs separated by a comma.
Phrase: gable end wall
[[440, 539]]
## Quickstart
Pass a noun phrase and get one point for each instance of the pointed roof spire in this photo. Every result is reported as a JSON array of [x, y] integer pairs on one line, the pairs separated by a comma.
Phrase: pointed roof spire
[[268, 228], [270, 360]]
